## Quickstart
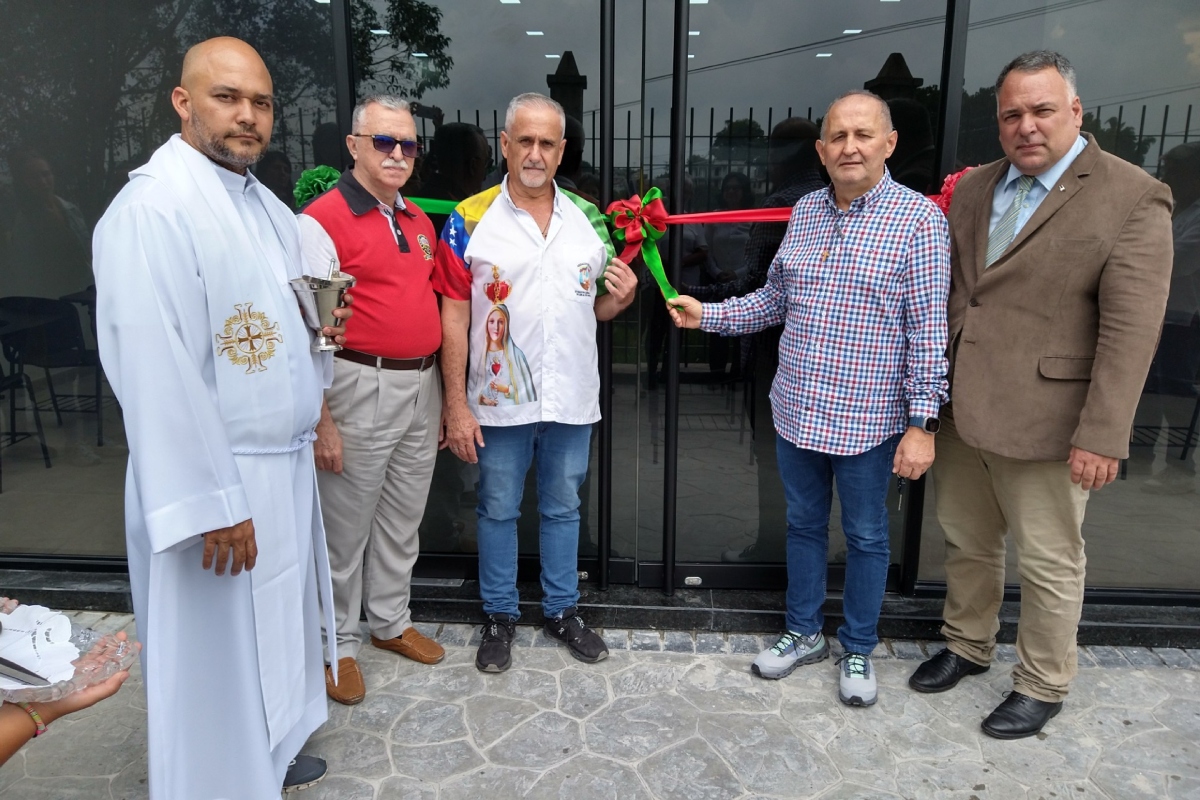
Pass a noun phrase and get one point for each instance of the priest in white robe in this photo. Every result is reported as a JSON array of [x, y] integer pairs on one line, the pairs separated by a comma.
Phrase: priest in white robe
[[203, 343]]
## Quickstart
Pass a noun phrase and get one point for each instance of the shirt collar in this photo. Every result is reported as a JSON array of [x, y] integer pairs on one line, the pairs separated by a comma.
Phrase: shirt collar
[[1049, 179], [233, 182], [360, 200], [864, 201]]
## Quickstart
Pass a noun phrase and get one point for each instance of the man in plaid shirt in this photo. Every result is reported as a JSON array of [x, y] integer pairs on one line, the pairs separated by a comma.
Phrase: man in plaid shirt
[[860, 284]]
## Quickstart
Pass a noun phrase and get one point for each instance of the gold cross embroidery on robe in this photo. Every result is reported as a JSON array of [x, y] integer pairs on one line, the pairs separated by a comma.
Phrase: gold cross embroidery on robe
[[249, 338]]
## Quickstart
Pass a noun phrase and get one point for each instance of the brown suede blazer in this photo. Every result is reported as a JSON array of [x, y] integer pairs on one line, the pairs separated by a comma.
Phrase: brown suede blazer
[[1049, 347]]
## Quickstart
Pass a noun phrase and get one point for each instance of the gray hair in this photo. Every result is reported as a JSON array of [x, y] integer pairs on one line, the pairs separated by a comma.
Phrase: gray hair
[[533, 100], [884, 111], [1036, 61], [388, 101]]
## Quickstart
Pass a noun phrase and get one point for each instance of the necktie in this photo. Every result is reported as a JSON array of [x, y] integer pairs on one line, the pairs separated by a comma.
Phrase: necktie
[[1006, 228]]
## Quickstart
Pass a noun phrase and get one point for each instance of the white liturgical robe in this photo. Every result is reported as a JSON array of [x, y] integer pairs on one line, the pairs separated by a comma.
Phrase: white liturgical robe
[[203, 343]]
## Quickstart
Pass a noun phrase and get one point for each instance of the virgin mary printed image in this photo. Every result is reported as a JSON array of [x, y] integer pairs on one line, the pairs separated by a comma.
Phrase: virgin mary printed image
[[505, 377]]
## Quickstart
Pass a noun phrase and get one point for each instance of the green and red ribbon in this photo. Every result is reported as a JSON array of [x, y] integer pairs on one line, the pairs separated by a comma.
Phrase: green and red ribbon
[[640, 222]]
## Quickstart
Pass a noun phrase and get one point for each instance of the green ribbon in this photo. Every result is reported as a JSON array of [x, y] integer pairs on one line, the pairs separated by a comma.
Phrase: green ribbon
[[431, 206]]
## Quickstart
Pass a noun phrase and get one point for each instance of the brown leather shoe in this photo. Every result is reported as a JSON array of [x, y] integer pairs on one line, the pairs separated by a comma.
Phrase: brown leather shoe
[[412, 644], [350, 689]]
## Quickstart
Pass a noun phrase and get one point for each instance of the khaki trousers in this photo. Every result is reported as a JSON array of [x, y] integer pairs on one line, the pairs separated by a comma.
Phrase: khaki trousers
[[389, 422], [981, 496]]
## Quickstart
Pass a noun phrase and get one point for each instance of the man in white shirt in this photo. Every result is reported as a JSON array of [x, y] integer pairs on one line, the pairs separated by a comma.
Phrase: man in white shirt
[[202, 340], [529, 270]]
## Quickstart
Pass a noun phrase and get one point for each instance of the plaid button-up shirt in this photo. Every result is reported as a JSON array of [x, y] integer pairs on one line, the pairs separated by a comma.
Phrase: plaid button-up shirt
[[862, 296]]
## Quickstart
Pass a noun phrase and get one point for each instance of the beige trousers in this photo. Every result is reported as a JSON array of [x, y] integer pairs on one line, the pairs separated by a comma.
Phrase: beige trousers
[[389, 422], [980, 497]]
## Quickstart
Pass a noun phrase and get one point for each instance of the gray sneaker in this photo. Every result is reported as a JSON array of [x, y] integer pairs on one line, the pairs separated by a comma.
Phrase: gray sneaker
[[856, 680], [791, 651]]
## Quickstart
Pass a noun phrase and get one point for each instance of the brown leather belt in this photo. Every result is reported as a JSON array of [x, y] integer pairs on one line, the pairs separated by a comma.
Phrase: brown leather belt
[[379, 362]]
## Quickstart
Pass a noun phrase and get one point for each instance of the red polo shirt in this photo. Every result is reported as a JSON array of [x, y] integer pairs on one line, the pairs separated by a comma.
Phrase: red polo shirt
[[395, 298]]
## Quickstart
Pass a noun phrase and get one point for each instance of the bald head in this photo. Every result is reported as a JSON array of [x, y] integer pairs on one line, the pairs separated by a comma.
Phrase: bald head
[[225, 102]]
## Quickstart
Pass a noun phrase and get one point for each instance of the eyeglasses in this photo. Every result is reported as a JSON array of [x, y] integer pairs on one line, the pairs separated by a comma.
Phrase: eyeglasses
[[386, 144]]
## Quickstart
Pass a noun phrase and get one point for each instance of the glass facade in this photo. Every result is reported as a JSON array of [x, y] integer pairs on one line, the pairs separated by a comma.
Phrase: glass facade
[[1141, 101], [86, 99]]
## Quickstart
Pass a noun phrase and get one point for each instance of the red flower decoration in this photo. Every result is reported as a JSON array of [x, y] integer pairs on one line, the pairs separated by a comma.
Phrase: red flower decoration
[[942, 199]]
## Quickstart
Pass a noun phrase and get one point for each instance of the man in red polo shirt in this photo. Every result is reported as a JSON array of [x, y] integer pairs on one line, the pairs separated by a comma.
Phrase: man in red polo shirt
[[378, 434]]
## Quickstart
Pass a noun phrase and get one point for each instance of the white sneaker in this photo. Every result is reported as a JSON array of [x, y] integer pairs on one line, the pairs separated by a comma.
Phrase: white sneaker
[[856, 680], [791, 651]]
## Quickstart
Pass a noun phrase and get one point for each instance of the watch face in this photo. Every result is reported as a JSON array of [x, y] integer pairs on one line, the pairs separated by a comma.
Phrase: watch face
[[933, 424]]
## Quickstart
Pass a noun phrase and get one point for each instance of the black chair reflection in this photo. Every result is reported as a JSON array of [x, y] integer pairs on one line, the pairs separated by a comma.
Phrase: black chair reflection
[[57, 343], [1175, 372], [10, 384]]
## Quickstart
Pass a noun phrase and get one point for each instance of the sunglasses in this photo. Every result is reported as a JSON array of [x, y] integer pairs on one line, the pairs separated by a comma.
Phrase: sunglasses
[[386, 144]]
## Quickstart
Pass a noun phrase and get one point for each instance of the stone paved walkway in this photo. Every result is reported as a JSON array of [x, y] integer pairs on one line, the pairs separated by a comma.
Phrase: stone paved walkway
[[676, 715]]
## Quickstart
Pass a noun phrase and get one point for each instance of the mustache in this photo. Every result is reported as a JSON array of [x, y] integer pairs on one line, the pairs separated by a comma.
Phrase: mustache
[[246, 130], [533, 165], [391, 162]]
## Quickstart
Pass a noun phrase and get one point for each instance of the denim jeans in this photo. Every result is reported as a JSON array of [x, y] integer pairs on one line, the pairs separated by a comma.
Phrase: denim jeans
[[862, 482], [562, 462]]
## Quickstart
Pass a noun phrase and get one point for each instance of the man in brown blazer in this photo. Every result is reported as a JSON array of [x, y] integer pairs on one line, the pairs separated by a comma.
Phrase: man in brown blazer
[[1060, 266]]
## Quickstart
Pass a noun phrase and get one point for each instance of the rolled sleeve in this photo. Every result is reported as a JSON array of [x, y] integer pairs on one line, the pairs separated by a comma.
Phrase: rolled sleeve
[[926, 290]]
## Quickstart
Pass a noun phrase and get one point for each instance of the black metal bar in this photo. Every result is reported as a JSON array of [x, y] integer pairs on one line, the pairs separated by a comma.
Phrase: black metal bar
[[604, 505], [678, 165], [954, 62], [914, 517], [343, 68], [1162, 141]]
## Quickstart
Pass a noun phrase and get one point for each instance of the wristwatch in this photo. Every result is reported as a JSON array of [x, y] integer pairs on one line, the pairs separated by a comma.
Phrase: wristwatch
[[927, 424]]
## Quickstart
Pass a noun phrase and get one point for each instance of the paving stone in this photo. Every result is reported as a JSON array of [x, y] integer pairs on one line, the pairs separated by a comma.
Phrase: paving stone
[[1194, 655], [545, 740], [1141, 656], [91, 745], [429, 722], [1107, 656], [1111, 726], [339, 714], [645, 679], [524, 636], [340, 787], [525, 684], [690, 770], [376, 714], [679, 642], [582, 693], [1120, 687], [490, 717], [131, 783], [1069, 790], [1180, 714], [1129, 784], [1085, 658], [452, 683], [436, 762], [1055, 754], [58, 789], [490, 782], [942, 780], [587, 777], [863, 756], [616, 638], [645, 640], [405, 789], [85, 619], [456, 634], [907, 651], [712, 686], [761, 748], [747, 644], [1180, 788], [710, 643], [540, 639], [854, 791], [631, 728], [351, 752], [1175, 657]]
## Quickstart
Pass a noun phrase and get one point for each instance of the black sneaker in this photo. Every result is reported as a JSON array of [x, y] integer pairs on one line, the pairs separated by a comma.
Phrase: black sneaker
[[303, 772], [494, 651], [583, 642]]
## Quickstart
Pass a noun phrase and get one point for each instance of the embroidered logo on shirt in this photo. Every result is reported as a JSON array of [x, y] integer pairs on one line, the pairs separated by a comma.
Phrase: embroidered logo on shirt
[[585, 280], [249, 338], [425, 248]]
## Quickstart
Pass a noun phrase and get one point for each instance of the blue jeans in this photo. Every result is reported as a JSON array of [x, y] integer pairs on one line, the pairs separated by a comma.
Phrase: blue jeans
[[562, 462], [862, 482]]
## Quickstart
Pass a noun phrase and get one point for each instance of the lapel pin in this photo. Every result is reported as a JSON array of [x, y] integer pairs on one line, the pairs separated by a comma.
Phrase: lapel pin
[[1062, 188]]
